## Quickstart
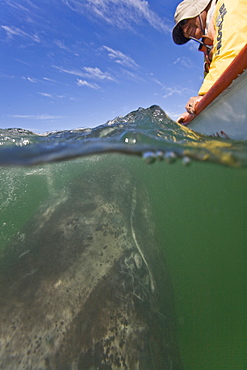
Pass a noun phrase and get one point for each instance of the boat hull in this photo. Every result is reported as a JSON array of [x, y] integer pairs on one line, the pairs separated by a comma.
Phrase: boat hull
[[226, 115]]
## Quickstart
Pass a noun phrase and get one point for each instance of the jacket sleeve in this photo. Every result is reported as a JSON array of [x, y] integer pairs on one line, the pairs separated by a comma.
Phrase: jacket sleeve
[[230, 22]]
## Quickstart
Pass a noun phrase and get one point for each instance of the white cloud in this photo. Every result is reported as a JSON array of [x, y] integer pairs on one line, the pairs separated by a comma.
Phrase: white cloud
[[14, 31], [171, 91], [48, 79], [120, 58], [130, 75], [120, 13], [30, 79], [88, 72], [46, 95], [74, 72], [158, 82], [38, 116], [96, 73], [87, 84], [60, 44], [56, 96], [185, 62], [21, 7], [177, 91]]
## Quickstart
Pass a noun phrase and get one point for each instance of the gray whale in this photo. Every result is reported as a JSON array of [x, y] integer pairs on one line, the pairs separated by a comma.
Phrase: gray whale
[[84, 285]]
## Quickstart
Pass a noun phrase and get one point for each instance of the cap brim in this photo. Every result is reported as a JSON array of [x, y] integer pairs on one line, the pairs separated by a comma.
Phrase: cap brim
[[178, 36]]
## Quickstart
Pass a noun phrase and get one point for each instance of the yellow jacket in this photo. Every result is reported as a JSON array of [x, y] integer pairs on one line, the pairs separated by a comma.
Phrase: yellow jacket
[[230, 22]]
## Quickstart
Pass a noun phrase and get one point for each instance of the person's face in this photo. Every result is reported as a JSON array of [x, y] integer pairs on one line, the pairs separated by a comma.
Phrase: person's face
[[192, 28]]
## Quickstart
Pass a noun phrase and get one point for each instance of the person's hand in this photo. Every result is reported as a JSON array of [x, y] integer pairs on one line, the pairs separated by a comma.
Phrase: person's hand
[[192, 104], [184, 118]]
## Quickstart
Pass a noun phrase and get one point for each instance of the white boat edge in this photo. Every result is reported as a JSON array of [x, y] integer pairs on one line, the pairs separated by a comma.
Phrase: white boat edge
[[226, 116]]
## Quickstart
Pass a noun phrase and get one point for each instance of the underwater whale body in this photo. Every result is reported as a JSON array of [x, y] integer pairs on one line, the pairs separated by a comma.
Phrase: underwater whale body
[[84, 284]]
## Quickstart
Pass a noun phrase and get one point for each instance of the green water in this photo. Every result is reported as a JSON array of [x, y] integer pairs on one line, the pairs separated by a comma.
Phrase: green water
[[200, 212]]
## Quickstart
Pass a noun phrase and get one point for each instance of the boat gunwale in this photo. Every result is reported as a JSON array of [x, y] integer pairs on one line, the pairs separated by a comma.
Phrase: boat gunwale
[[232, 72]]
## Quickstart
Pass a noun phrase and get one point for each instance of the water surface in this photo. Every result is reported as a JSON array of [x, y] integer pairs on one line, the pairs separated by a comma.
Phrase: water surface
[[197, 186]]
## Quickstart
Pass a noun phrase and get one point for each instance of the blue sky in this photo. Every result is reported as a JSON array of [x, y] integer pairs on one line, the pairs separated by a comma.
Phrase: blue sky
[[66, 64]]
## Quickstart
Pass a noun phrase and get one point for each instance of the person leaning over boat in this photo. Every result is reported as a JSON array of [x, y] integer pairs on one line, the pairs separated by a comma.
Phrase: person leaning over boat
[[225, 22]]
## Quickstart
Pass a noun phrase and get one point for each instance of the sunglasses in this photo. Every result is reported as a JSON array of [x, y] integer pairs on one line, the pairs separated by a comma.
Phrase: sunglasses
[[206, 44]]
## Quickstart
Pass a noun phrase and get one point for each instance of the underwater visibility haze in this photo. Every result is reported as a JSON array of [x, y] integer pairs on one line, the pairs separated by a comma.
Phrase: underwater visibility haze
[[123, 246]]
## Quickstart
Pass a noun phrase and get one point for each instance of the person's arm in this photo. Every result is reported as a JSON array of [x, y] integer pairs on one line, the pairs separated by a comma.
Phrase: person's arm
[[183, 118], [192, 104], [191, 110]]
